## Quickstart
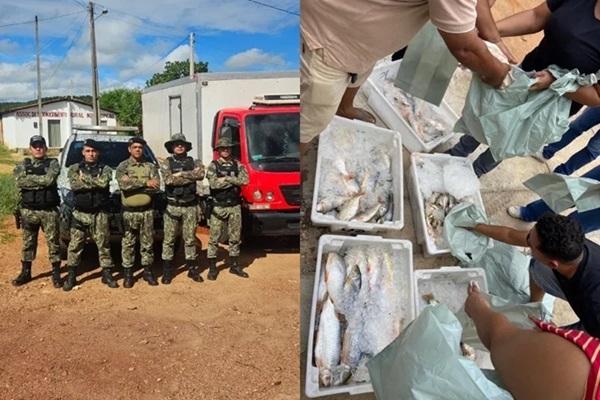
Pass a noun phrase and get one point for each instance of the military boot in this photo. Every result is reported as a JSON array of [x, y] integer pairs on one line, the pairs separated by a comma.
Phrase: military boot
[[193, 271], [167, 275], [56, 280], [213, 272], [235, 268], [70, 281], [148, 276], [108, 279], [25, 275], [128, 278]]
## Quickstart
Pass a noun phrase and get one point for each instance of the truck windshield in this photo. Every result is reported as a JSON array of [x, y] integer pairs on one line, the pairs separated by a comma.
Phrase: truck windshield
[[273, 138], [112, 153]]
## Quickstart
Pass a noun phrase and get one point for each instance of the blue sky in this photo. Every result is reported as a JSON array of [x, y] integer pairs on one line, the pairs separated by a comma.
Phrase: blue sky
[[135, 39]]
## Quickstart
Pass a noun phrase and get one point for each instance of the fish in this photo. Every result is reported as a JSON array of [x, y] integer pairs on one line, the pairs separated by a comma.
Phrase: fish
[[368, 215], [349, 209], [335, 276], [328, 343], [437, 206]]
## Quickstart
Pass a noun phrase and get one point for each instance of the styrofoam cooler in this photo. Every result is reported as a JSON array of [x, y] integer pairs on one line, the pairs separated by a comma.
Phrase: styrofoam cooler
[[394, 140], [391, 116], [417, 201], [456, 278], [403, 264]]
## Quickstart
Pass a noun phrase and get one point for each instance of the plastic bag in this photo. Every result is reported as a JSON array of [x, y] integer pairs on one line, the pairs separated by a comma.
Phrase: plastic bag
[[515, 121], [427, 66], [425, 362], [466, 245], [562, 192]]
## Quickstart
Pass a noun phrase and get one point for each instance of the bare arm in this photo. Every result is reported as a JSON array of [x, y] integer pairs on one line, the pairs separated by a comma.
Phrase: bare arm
[[503, 234], [485, 24], [525, 22], [586, 95], [470, 51]]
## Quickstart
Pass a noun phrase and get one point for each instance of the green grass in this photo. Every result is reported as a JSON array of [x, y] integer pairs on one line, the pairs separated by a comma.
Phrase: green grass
[[8, 195], [6, 156]]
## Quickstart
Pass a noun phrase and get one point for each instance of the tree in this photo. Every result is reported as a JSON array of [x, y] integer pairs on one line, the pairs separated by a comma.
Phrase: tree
[[127, 103], [175, 70]]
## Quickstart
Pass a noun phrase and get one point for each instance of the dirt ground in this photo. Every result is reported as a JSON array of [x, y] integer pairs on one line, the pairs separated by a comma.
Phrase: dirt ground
[[228, 339]]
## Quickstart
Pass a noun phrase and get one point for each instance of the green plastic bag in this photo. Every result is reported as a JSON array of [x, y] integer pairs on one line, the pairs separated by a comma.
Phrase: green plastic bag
[[562, 192], [466, 245], [518, 314], [515, 121], [425, 363], [427, 66]]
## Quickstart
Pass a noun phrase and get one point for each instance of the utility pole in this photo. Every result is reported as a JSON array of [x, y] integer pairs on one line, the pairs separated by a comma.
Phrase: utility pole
[[39, 83], [96, 120], [192, 42]]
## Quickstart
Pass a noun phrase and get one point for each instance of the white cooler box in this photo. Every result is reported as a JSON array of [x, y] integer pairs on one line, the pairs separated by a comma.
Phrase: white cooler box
[[391, 116], [391, 139], [403, 268], [417, 201], [448, 285]]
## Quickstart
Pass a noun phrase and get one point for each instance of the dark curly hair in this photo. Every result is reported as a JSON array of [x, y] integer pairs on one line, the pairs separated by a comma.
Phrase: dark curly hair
[[560, 237]]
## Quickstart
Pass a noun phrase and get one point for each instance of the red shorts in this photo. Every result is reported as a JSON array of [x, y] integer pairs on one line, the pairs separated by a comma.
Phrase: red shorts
[[590, 346]]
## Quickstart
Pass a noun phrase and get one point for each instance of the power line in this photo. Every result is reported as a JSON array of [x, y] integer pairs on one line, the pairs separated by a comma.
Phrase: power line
[[79, 3], [274, 8], [41, 19]]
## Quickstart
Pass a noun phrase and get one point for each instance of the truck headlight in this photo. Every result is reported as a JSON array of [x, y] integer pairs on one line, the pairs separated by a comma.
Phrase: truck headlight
[[257, 195], [269, 196]]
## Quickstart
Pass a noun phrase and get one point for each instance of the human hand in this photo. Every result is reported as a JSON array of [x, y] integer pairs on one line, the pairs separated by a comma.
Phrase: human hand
[[543, 80], [511, 59], [153, 183]]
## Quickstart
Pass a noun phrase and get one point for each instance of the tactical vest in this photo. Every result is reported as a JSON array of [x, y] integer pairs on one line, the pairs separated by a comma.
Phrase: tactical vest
[[137, 198], [91, 200], [39, 199], [231, 195], [181, 195]]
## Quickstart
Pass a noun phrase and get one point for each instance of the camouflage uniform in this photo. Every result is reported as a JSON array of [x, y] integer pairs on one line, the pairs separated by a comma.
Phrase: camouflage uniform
[[38, 209], [133, 177], [186, 214], [93, 222], [225, 215]]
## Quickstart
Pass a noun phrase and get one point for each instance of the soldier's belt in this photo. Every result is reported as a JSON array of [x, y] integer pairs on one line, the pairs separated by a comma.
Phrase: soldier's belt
[[179, 203], [137, 209]]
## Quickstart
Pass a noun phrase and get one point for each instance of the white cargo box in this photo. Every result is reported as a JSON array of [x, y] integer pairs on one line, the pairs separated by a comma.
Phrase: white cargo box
[[417, 201], [403, 267], [447, 285], [392, 140], [391, 116]]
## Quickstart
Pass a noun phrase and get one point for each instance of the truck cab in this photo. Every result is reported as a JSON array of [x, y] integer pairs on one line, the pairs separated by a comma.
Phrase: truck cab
[[266, 139]]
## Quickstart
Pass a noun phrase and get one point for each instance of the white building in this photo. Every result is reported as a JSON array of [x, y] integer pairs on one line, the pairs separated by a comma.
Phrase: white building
[[189, 106], [58, 116]]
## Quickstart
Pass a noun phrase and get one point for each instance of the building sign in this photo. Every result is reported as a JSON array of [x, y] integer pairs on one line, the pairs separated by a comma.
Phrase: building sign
[[60, 114]]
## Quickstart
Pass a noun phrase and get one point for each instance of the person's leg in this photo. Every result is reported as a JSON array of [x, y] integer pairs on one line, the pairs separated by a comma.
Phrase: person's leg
[[485, 163], [589, 220], [582, 157], [588, 119], [321, 90], [146, 228], [100, 233], [128, 242], [534, 210], [465, 146], [594, 173], [530, 363]]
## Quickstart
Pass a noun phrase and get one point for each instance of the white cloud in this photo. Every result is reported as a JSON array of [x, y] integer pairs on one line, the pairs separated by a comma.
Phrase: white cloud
[[8, 46], [254, 59], [132, 40]]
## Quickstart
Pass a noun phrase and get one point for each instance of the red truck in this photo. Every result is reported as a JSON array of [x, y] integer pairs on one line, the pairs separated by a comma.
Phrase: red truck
[[267, 137]]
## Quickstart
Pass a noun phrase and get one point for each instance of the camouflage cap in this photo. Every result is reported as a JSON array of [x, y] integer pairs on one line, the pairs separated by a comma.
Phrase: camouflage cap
[[224, 142], [37, 139], [137, 139], [177, 138]]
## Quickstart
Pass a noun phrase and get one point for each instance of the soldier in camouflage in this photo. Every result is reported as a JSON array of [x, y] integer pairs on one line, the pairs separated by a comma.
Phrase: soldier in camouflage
[[36, 180], [90, 182], [225, 177], [180, 174], [138, 180]]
